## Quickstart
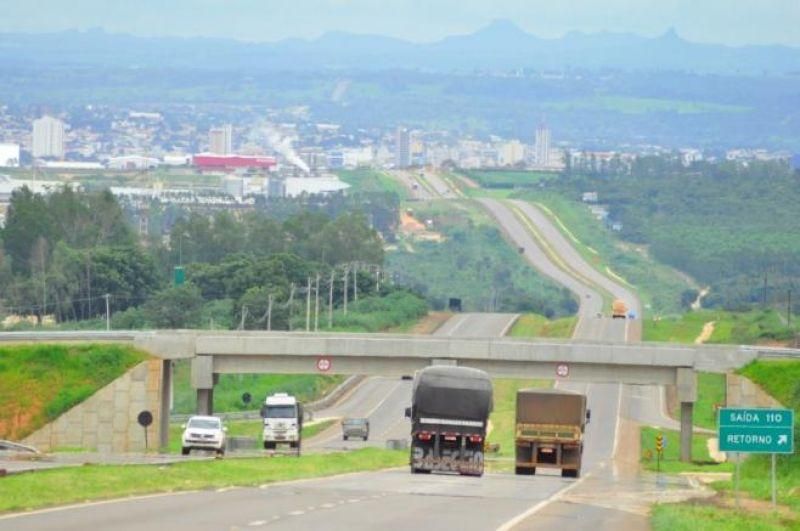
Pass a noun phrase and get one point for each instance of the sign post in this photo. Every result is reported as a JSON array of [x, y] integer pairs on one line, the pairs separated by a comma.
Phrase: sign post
[[659, 451], [756, 431]]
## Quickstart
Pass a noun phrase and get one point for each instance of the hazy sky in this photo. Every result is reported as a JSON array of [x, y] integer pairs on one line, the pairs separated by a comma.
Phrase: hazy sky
[[721, 21]]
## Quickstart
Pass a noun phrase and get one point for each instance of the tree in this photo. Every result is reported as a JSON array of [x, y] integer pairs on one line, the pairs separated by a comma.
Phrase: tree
[[175, 307]]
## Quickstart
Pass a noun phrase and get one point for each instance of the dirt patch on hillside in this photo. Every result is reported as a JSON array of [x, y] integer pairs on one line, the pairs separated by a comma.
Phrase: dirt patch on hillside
[[430, 323], [20, 422], [705, 335]]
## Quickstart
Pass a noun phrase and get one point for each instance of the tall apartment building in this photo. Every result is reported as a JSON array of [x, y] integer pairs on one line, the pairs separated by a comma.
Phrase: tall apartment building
[[542, 147], [220, 140], [48, 137], [402, 149]]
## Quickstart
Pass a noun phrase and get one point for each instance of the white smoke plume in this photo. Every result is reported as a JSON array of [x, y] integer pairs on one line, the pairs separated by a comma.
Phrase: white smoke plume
[[282, 144]]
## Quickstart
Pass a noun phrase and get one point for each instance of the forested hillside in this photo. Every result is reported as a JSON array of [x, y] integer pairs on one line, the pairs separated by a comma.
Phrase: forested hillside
[[730, 226]]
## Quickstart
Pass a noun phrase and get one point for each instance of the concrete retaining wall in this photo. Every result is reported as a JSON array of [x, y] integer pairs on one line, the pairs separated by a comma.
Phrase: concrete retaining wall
[[106, 422]]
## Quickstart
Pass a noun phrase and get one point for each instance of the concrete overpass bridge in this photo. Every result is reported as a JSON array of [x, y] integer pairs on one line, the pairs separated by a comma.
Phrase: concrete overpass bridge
[[236, 352]]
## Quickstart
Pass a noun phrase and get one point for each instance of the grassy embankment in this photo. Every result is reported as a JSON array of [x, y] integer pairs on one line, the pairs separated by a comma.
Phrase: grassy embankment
[[742, 328], [40, 382], [533, 325], [781, 379], [97, 482], [371, 181]]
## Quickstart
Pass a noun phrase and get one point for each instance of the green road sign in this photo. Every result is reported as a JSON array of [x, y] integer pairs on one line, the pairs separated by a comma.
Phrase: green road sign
[[769, 431]]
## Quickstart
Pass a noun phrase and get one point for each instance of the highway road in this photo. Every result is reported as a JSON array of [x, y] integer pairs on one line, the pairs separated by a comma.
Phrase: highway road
[[383, 400], [609, 494]]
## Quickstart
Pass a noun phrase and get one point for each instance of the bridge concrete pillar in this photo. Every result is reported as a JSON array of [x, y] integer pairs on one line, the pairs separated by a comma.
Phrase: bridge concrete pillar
[[203, 380], [686, 383], [165, 404]]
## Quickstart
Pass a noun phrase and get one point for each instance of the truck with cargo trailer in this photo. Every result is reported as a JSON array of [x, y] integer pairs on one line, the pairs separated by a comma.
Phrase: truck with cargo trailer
[[549, 431], [283, 421], [449, 415], [619, 310]]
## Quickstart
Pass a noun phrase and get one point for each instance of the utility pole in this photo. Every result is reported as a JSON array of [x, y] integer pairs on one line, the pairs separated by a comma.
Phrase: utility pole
[[346, 276], [244, 314], [789, 309], [308, 304], [316, 304], [330, 299], [107, 296], [377, 282], [269, 312], [355, 282], [291, 300], [764, 296]]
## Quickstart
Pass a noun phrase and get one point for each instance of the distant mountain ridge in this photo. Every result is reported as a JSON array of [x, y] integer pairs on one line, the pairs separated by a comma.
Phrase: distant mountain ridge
[[501, 45]]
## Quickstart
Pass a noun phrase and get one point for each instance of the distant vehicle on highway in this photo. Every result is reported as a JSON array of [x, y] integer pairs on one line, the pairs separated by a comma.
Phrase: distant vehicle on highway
[[619, 309], [549, 431], [355, 427], [204, 433], [449, 413], [283, 421]]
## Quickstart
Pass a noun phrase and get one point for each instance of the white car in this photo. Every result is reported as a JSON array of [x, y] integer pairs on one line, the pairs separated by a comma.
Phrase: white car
[[203, 433]]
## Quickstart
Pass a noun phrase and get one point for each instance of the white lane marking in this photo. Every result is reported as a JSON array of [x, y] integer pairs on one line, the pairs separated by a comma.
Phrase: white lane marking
[[463, 318], [385, 398], [226, 489], [507, 526], [354, 500], [616, 427], [297, 513], [328, 505], [95, 504], [256, 523], [310, 508]]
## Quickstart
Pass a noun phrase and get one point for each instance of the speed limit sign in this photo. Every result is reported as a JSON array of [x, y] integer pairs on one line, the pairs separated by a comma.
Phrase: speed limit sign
[[562, 370], [324, 364]]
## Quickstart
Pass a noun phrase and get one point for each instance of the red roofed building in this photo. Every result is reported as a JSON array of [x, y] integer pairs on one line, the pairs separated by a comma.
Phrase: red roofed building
[[210, 161]]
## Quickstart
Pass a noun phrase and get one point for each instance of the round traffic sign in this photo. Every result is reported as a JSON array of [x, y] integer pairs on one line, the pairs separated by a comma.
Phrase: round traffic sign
[[324, 364], [145, 418], [562, 370]]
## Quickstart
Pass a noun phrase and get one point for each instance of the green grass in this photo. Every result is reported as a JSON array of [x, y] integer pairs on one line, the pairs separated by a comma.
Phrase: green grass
[[509, 179], [96, 482], [228, 391], [740, 328], [780, 378], [699, 516], [534, 325], [670, 459], [368, 180], [41, 382]]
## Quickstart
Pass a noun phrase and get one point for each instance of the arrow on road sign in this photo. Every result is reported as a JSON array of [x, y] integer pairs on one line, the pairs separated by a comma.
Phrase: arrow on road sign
[[783, 439]]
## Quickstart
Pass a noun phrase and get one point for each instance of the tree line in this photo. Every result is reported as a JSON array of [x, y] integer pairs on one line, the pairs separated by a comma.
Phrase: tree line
[[62, 253]]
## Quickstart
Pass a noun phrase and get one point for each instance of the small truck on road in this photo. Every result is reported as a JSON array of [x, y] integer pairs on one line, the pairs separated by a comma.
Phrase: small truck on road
[[283, 421], [549, 431], [449, 414]]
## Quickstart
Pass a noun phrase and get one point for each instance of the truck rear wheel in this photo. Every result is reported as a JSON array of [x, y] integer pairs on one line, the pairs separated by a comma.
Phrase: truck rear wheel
[[570, 473], [525, 471]]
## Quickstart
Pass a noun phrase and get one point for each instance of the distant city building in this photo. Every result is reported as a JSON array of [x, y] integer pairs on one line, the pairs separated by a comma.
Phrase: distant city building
[[9, 155], [220, 140], [48, 137], [542, 145], [133, 162], [511, 153], [402, 153]]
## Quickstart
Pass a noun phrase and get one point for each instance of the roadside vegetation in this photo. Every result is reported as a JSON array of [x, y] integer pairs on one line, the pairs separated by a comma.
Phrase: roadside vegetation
[[670, 459], [40, 382], [780, 379], [474, 263], [100, 482], [533, 325], [373, 181], [743, 328]]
